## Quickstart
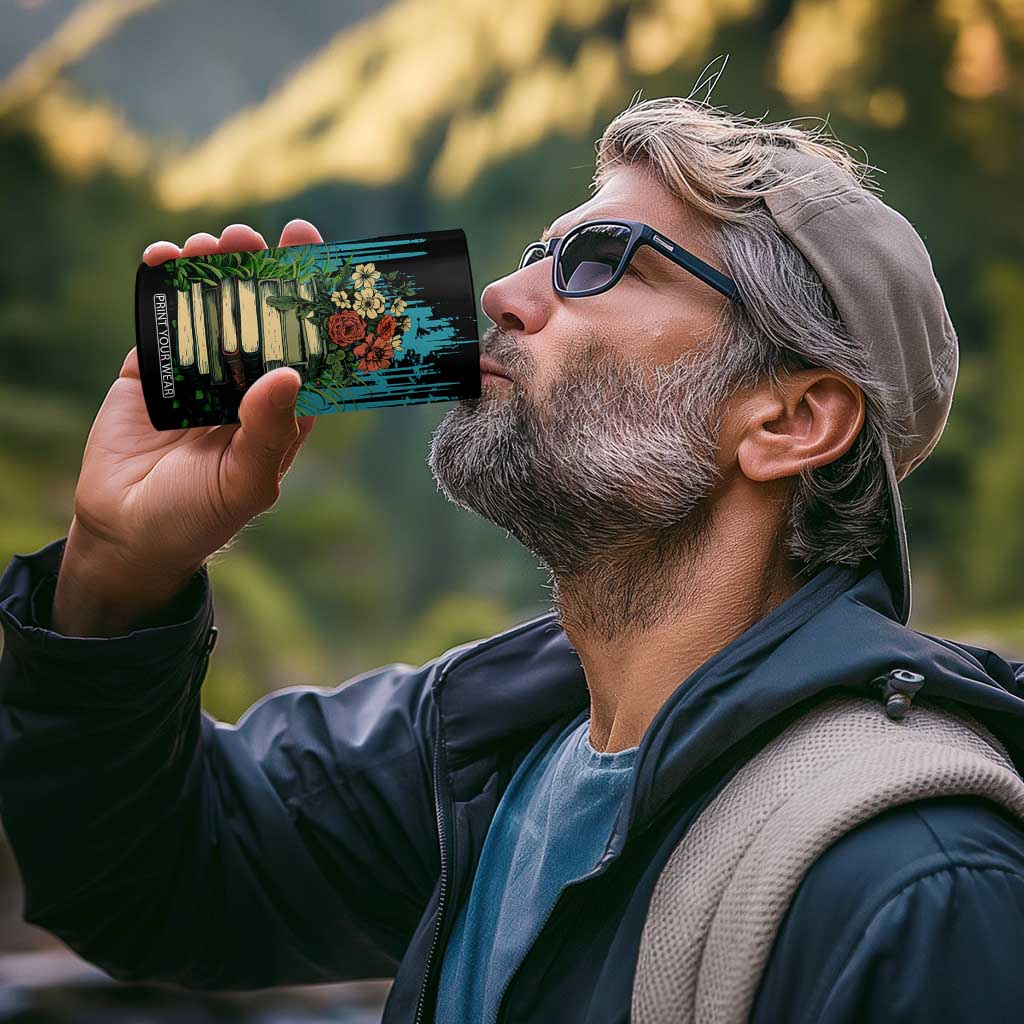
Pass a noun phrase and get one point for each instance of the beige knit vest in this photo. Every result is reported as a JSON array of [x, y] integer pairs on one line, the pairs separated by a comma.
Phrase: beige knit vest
[[721, 896]]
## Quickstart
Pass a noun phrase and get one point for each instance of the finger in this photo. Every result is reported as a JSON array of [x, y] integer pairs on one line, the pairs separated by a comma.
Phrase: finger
[[299, 232], [267, 432], [130, 366], [241, 238], [306, 424], [202, 243], [160, 252]]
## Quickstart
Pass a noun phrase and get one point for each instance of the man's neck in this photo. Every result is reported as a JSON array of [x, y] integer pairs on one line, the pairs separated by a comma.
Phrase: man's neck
[[641, 627]]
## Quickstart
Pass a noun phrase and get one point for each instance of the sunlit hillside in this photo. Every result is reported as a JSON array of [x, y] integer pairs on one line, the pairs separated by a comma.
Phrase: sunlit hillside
[[453, 87]]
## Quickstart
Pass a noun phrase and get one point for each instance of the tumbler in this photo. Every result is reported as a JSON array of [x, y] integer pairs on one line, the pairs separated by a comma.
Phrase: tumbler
[[372, 322]]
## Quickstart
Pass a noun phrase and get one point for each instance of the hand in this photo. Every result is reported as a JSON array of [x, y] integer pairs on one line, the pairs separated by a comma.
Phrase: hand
[[151, 506]]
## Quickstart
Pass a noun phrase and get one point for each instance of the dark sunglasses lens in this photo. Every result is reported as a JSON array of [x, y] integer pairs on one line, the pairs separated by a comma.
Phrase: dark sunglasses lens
[[532, 254], [591, 255]]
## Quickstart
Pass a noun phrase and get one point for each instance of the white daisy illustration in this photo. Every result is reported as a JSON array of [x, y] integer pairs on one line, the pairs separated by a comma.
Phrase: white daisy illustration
[[365, 275], [368, 303]]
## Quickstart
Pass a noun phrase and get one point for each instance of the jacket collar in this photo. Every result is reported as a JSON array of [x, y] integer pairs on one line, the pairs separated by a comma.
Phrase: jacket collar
[[840, 630]]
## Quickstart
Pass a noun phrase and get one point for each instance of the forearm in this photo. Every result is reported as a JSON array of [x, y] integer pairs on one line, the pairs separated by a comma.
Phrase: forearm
[[98, 757], [298, 847]]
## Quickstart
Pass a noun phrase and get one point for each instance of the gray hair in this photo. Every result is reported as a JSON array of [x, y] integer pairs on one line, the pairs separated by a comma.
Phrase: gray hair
[[721, 165]]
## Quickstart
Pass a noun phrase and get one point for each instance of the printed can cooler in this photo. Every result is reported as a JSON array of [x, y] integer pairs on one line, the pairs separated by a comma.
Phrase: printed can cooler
[[365, 323]]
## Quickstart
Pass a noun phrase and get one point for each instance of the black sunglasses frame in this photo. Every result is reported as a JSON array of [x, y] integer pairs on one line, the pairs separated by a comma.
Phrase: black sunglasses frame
[[639, 234]]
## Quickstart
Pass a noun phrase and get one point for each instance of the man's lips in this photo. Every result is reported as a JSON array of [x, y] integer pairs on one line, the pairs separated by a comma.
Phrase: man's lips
[[488, 365]]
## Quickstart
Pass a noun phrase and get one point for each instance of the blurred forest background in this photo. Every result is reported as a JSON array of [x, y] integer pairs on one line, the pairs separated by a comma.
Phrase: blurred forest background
[[126, 122]]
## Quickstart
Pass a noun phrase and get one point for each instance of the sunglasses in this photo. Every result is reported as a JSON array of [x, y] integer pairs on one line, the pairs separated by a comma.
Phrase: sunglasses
[[594, 255]]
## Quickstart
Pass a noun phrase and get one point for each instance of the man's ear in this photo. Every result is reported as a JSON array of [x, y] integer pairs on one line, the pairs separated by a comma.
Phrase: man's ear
[[810, 421]]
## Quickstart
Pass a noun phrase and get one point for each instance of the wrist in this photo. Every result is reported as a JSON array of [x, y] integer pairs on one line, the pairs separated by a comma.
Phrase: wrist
[[102, 592]]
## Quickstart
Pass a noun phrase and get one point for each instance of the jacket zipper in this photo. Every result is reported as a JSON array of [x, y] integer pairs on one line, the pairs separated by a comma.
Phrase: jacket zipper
[[443, 887], [441, 832]]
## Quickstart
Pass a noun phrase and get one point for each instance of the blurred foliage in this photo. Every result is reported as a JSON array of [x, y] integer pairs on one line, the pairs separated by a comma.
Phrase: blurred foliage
[[486, 120]]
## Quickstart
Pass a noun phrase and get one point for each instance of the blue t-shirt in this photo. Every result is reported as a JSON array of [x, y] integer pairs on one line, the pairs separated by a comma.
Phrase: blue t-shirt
[[550, 827]]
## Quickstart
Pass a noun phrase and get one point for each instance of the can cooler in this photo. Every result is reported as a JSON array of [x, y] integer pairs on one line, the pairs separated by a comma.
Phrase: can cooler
[[365, 323]]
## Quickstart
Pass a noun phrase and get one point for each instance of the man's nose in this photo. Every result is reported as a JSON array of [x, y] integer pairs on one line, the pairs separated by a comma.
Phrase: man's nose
[[520, 301]]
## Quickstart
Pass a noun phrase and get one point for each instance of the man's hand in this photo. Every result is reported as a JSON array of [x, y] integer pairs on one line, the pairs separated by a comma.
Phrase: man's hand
[[151, 506]]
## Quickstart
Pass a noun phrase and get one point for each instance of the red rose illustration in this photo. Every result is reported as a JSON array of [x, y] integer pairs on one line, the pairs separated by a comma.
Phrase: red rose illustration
[[386, 327], [345, 327], [374, 353]]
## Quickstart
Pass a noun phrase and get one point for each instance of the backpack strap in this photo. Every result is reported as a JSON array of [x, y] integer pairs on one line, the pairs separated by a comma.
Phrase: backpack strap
[[725, 889]]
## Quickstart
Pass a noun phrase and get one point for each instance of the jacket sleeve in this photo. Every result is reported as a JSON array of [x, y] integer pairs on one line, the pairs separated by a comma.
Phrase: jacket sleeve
[[913, 918], [298, 846]]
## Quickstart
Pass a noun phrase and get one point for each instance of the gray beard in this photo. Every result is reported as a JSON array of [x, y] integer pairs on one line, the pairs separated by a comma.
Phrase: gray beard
[[605, 479]]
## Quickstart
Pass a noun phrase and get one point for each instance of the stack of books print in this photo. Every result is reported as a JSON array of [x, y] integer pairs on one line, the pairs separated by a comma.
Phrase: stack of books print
[[229, 333]]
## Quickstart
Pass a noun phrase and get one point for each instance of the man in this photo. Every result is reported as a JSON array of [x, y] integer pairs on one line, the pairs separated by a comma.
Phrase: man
[[700, 436]]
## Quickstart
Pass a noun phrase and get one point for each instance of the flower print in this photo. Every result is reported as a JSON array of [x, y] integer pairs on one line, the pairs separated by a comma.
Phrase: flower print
[[397, 306], [396, 341], [365, 276], [386, 327], [368, 303], [345, 327], [374, 354], [405, 324], [341, 300]]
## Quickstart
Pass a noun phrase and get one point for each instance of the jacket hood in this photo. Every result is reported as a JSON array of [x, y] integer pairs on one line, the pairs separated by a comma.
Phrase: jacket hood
[[838, 632]]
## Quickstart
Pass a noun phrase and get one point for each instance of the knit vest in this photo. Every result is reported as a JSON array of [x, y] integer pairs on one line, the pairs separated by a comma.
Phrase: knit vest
[[726, 887]]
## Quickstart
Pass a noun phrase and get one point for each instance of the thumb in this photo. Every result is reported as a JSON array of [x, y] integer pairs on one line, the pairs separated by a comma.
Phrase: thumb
[[268, 429]]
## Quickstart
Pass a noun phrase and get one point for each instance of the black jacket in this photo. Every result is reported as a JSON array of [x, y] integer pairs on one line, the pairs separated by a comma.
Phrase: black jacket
[[332, 833]]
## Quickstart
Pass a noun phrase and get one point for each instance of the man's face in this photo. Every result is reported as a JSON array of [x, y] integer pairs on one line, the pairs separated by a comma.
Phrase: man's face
[[603, 443], [655, 312]]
